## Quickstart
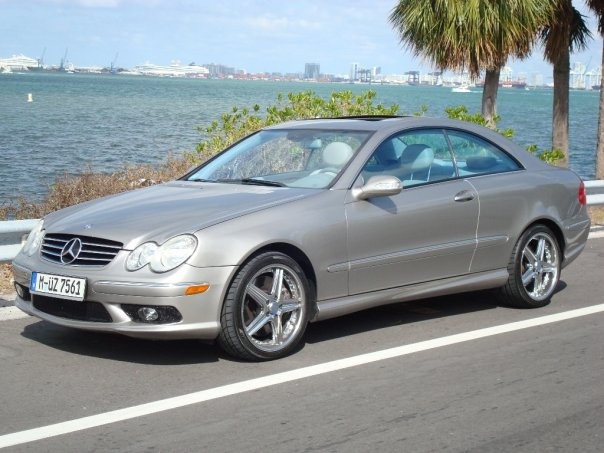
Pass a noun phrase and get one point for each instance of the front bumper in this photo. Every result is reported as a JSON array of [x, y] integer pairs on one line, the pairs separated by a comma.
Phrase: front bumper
[[112, 300]]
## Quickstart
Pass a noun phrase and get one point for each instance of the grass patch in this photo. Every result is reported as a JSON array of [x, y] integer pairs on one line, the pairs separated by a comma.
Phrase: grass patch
[[597, 215], [68, 190], [6, 279]]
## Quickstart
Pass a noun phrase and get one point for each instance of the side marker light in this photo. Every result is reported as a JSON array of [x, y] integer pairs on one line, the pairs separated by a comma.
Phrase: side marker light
[[197, 289]]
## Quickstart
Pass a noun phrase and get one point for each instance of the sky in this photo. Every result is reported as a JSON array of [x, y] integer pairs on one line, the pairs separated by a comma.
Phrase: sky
[[252, 35]]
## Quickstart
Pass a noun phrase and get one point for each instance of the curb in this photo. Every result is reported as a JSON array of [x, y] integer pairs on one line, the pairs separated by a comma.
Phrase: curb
[[596, 232], [8, 311], [7, 300]]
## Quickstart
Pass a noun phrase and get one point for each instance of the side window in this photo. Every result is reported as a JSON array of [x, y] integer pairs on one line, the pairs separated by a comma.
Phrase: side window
[[414, 157], [475, 156]]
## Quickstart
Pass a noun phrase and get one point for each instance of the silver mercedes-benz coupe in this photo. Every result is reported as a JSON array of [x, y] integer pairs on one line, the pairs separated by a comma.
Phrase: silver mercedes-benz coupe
[[305, 221]]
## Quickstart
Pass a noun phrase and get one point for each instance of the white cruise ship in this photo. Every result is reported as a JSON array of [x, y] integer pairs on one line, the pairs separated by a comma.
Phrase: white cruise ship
[[18, 63], [174, 70]]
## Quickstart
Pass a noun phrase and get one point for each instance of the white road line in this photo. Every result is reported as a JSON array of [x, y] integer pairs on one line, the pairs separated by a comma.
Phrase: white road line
[[128, 413], [599, 234]]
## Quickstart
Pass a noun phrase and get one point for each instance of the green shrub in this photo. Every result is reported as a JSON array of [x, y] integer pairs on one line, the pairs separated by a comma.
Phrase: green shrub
[[551, 156], [461, 113], [303, 105]]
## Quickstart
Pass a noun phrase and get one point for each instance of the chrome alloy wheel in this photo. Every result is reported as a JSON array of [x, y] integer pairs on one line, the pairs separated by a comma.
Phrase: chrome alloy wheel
[[273, 308], [540, 266]]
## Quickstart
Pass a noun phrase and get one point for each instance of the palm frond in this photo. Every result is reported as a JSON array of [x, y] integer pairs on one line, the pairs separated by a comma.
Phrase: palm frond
[[597, 6], [470, 34], [567, 29]]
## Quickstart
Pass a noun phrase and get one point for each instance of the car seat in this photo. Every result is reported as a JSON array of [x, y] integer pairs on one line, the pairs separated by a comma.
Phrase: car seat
[[416, 163]]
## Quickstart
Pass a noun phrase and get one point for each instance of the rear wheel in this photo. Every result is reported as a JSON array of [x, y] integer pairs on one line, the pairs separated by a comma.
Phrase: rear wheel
[[265, 312], [534, 269]]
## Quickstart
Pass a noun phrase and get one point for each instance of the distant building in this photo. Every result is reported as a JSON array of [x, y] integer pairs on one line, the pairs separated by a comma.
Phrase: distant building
[[432, 78], [312, 71], [219, 70], [354, 72], [593, 78], [506, 74], [536, 80], [577, 76]]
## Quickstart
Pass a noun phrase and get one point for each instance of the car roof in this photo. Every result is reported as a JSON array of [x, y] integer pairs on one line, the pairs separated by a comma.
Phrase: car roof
[[381, 123], [364, 123]]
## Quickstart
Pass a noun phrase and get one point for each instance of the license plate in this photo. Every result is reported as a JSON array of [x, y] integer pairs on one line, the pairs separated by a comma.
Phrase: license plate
[[58, 285]]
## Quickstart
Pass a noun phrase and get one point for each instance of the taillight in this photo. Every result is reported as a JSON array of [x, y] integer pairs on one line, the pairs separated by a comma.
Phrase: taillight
[[582, 195]]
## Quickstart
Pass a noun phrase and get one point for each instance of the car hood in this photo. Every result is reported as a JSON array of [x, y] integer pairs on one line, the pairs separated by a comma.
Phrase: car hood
[[159, 212]]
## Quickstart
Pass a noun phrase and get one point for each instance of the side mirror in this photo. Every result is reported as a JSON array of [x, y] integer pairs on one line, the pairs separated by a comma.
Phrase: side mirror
[[378, 186]]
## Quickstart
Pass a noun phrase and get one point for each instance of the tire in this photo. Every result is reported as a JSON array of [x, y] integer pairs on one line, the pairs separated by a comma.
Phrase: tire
[[266, 309], [534, 269]]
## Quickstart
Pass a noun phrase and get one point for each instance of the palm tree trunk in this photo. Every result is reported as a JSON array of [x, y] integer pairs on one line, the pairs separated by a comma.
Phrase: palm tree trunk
[[600, 146], [560, 109], [489, 96]]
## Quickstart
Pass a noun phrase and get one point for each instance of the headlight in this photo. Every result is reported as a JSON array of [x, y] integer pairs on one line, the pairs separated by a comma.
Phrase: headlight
[[141, 256], [34, 239], [162, 258]]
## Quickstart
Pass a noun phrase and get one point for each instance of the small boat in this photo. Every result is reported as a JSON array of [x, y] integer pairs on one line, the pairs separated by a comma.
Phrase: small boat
[[461, 89]]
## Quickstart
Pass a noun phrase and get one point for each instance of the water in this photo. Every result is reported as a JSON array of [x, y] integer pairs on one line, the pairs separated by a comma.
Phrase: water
[[102, 122]]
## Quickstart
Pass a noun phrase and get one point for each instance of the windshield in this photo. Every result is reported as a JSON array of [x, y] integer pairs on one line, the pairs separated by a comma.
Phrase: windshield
[[285, 157]]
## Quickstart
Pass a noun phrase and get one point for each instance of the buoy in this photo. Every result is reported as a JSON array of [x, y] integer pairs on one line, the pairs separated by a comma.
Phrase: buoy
[[30, 97]]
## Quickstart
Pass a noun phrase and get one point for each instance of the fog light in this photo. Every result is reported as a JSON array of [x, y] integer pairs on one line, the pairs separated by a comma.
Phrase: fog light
[[148, 314], [19, 290]]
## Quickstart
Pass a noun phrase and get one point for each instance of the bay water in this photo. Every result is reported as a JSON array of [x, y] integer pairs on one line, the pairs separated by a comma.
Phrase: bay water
[[78, 121]]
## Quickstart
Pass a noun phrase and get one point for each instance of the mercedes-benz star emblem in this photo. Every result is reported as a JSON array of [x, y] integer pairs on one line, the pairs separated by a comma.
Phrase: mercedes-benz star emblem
[[71, 250]]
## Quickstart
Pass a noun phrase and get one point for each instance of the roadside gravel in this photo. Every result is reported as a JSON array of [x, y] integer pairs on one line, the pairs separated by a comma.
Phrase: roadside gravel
[[7, 300]]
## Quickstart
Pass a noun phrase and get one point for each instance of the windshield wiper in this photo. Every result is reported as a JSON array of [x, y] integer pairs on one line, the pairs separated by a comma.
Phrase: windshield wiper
[[254, 181], [262, 182], [201, 180]]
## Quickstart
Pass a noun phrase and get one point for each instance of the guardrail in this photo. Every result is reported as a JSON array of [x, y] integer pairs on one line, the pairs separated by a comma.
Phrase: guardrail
[[12, 235], [14, 232], [594, 199]]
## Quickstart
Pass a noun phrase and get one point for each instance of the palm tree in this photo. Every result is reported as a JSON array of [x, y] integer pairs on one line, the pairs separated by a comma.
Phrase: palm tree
[[565, 33], [597, 6], [472, 35]]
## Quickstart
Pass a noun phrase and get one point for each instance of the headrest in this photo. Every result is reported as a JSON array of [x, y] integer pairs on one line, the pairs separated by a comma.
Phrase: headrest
[[386, 153], [477, 163], [337, 154], [417, 156]]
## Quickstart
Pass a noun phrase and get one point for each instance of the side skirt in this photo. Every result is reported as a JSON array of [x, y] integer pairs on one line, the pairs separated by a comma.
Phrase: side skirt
[[332, 308]]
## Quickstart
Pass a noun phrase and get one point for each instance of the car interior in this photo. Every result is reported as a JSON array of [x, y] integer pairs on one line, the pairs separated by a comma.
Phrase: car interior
[[418, 163]]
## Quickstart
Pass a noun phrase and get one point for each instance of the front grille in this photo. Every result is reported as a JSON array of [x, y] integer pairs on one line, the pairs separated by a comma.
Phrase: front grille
[[70, 309], [94, 251]]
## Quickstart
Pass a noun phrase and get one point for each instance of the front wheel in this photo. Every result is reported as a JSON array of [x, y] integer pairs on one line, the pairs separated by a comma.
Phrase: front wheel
[[534, 269], [265, 312]]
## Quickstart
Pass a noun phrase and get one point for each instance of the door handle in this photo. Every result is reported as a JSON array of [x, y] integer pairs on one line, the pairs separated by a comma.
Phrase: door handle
[[465, 195]]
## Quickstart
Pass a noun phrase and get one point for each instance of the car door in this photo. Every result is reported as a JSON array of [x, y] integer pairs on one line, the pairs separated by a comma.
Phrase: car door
[[503, 191], [426, 232]]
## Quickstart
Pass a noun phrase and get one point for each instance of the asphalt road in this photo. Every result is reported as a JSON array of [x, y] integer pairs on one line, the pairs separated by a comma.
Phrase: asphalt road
[[536, 387]]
